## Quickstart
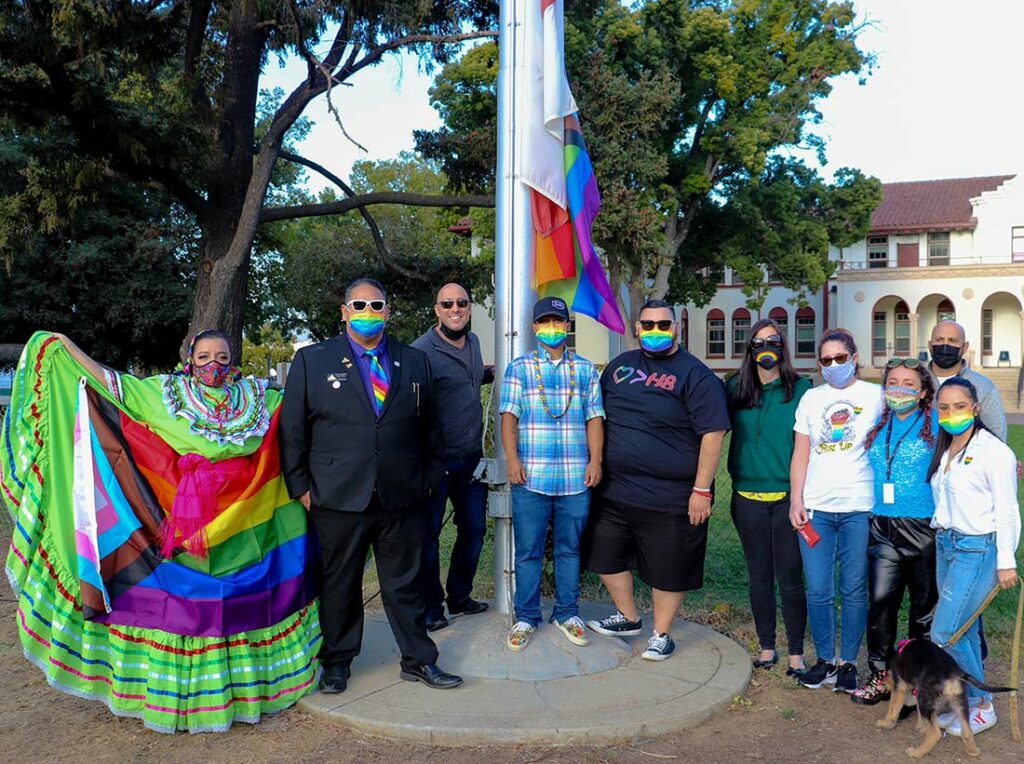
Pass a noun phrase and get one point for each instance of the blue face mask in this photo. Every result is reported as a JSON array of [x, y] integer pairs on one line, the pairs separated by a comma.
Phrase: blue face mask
[[839, 375]]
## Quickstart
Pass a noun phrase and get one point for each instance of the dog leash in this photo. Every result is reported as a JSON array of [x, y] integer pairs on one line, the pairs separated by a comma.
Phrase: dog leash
[[970, 621], [1015, 665]]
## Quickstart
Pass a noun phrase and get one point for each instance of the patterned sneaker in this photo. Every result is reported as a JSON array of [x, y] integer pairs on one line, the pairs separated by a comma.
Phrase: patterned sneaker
[[846, 678], [659, 648], [873, 691], [573, 630], [980, 720], [617, 626], [519, 636], [820, 673]]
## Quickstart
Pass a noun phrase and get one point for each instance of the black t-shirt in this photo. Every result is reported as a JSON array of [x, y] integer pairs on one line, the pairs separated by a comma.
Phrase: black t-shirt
[[657, 411]]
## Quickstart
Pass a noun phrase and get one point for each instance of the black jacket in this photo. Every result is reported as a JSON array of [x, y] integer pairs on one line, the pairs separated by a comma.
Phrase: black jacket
[[334, 445]]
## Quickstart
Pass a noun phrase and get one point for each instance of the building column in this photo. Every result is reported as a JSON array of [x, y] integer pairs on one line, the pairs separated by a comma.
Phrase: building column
[[1021, 314], [914, 339]]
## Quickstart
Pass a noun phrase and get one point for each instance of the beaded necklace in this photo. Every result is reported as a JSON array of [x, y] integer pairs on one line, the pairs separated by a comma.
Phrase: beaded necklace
[[540, 384]]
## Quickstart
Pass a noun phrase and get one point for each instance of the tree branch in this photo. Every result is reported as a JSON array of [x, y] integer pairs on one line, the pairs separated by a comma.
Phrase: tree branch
[[377, 53], [340, 207]]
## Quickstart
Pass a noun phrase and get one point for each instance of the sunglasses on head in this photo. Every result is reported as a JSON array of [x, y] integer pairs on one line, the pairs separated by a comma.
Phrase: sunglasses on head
[[910, 363], [462, 302], [665, 324], [377, 306], [772, 341], [836, 360]]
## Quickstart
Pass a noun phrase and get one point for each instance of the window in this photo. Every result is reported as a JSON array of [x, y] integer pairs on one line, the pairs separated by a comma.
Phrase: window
[[684, 329], [740, 331], [716, 333], [945, 312], [938, 248], [879, 332], [1017, 243], [570, 338], [986, 331], [779, 316], [805, 333], [902, 333], [736, 277], [878, 252]]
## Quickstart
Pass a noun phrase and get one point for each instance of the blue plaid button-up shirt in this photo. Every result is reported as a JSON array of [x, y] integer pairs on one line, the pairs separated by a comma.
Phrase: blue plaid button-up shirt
[[553, 451]]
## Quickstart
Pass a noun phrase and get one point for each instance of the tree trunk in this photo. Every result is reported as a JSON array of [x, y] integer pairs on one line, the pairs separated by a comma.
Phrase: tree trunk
[[220, 293]]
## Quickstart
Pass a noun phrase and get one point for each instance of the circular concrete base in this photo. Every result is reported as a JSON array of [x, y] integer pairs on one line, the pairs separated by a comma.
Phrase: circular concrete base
[[612, 696]]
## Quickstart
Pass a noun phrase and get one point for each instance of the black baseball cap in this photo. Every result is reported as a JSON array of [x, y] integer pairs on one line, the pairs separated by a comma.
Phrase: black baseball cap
[[550, 306]]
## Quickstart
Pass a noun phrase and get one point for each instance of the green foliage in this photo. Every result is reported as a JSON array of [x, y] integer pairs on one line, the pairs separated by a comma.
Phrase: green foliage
[[264, 349]]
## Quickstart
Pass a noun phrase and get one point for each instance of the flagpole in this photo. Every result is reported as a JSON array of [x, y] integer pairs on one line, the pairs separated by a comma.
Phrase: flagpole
[[513, 293]]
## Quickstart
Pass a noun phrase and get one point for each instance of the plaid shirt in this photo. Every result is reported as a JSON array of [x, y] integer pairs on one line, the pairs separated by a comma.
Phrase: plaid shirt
[[553, 451]]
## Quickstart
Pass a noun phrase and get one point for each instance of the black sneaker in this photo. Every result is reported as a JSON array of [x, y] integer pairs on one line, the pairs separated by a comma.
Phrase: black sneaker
[[846, 678], [617, 626], [820, 673], [659, 647]]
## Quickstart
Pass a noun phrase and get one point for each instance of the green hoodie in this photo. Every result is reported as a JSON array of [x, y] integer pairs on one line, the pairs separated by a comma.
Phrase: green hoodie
[[762, 438]]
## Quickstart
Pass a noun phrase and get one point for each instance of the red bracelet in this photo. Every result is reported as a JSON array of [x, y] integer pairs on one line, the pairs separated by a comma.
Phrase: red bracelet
[[705, 492]]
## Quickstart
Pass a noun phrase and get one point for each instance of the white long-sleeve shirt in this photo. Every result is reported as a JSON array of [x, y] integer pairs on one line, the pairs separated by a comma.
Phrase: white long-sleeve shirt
[[978, 495]]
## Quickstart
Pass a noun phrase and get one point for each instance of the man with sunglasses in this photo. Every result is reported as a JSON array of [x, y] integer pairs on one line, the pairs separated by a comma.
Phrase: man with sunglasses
[[666, 419], [948, 348], [361, 449], [458, 372]]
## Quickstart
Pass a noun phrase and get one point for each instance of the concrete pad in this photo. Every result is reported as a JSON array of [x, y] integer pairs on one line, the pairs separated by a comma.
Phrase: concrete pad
[[549, 694]]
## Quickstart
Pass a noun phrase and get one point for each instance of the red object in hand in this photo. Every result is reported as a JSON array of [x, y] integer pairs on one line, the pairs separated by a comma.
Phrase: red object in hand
[[810, 535]]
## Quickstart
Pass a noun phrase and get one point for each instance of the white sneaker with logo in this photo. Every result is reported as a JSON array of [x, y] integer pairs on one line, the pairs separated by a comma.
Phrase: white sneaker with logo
[[980, 720]]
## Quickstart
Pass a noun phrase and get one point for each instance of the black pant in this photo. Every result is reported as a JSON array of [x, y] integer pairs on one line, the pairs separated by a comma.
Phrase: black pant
[[773, 554], [397, 541], [901, 556]]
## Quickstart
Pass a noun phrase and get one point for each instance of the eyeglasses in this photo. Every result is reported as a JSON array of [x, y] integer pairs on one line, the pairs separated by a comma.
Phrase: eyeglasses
[[836, 360], [772, 341], [665, 324], [910, 363], [462, 302], [377, 306]]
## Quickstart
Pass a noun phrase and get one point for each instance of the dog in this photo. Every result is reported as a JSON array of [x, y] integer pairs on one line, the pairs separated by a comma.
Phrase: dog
[[938, 682]]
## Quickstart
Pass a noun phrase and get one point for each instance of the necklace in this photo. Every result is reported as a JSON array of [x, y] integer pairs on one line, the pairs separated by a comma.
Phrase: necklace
[[540, 384]]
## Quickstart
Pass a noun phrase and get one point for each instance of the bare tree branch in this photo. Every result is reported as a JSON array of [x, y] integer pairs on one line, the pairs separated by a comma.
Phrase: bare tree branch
[[340, 207], [414, 39]]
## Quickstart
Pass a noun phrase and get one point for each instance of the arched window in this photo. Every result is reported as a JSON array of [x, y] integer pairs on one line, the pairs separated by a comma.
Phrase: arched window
[[716, 333], [684, 328], [779, 316], [945, 311], [805, 345], [740, 331], [902, 335]]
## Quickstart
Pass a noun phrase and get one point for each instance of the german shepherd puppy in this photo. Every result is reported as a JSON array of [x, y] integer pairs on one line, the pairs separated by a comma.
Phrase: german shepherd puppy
[[938, 682]]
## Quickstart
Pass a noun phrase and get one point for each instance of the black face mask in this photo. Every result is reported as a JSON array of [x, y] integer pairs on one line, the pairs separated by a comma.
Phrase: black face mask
[[453, 334], [946, 356]]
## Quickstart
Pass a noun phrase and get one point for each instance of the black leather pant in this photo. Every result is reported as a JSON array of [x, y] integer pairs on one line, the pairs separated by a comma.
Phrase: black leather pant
[[901, 557]]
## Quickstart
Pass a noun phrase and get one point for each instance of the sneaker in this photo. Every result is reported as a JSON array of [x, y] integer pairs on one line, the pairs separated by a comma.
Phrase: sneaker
[[617, 626], [980, 720], [659, 647], [519, 636], [573, 630], [846, 678], [820, 673], [946, 720], [873, 691]]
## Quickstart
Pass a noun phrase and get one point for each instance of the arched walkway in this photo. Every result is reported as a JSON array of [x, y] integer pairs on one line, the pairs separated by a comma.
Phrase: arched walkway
[[891, 329], [1001, 331], [930, 310]]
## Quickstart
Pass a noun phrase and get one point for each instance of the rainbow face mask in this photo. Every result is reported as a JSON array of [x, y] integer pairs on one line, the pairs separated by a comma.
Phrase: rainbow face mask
[[767, 358], [551, 336], [956, 423], [901, 399], [366, 323], [656, 340]]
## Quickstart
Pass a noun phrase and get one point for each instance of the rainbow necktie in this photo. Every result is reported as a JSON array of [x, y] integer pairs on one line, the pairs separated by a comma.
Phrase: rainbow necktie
[[378, 379]]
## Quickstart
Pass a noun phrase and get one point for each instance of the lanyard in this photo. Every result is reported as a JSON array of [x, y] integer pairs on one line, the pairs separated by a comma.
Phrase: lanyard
[[890, 457]]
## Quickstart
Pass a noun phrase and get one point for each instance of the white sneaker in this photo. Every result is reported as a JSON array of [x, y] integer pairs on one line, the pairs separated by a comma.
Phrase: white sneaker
[[946, 719], [980, 720]]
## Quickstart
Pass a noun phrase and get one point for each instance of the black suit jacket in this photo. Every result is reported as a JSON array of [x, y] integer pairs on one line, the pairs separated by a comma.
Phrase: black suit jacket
[[334, 445]]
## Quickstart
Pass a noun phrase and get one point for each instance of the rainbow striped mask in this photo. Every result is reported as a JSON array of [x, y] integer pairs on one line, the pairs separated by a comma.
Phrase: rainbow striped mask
[[367, 323], [551, 336], [956, 423], [656, 340]]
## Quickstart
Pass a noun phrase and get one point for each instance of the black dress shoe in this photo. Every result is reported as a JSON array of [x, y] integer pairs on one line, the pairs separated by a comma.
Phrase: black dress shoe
[[768, 663], [468, 606], [334, 679], [431, 676], [433, 624]]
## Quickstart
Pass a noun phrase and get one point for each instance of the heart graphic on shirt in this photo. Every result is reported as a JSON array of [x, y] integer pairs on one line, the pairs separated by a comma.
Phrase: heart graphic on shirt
[[623, 373]]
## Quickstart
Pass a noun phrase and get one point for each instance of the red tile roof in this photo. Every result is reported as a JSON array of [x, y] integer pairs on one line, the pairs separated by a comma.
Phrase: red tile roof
[[923, 205]]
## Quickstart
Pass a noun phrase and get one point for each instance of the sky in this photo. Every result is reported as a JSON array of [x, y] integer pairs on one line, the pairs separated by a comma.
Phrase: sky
[[944, 100]]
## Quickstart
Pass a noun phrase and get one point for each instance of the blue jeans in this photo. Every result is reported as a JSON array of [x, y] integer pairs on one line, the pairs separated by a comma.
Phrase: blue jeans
[[531, 514], [844, 540], [965, 572], [469, 502]]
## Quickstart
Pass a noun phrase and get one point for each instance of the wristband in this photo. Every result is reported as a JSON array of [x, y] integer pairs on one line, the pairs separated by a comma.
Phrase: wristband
[[705, 492]]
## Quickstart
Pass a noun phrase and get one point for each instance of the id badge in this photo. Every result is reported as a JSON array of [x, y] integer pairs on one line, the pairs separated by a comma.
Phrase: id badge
[[888, 493]]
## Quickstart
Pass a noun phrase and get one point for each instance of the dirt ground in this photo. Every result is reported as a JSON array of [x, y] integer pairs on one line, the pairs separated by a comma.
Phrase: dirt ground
[[775, 722]]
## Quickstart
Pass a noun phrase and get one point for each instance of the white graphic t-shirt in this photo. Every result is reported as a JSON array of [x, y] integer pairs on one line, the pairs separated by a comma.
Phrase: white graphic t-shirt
[[839, 476]]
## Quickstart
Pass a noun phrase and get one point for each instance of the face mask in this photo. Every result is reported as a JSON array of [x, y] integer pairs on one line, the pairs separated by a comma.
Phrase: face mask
[[767, 358], [656, 340], [901, 399], [946, 356], [213, 374], [551, 336], [956, 423], [839, 375], [366, 324], [453, 334]]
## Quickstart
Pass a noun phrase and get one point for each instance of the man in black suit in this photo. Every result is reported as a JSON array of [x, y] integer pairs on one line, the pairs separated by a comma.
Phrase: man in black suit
[[362, 450]]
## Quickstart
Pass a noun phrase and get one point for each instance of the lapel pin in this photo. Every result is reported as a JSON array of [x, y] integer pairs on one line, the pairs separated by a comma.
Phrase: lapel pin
[[336, 384], [331, 378], [397, 363]]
